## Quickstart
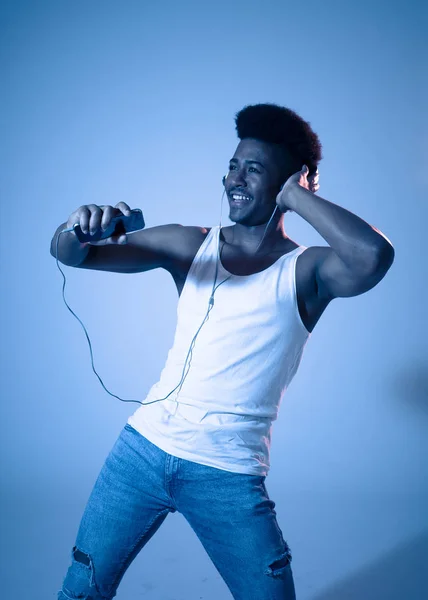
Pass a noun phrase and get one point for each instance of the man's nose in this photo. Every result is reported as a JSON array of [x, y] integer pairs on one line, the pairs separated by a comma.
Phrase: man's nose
[[239, 179]]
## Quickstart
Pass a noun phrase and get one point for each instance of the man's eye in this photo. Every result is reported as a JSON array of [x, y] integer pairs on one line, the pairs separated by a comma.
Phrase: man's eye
[[231, 167]]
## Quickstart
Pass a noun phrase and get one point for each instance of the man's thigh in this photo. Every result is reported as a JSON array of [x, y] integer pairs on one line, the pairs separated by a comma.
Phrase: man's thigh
[[235, 520], [126, 507]]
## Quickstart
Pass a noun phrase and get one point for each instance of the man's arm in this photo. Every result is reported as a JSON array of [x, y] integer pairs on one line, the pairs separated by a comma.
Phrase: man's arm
[[145, 249], [359, 255]]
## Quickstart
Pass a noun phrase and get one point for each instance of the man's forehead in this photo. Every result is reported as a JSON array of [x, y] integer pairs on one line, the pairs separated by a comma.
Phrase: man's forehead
[[254, 145], [252, 150]]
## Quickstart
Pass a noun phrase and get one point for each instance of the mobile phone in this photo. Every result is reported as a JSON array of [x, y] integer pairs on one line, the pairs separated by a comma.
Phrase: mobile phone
[[119, 225]]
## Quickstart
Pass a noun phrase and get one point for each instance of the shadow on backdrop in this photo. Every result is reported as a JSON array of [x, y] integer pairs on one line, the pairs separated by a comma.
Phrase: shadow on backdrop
[[401, 574], [411, 386]]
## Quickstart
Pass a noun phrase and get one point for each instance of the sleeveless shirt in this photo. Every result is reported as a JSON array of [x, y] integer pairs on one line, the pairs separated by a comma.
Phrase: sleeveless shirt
[[242, 361]]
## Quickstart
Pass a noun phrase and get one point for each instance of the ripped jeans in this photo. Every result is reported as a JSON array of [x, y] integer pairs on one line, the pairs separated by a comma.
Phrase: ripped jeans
[[139, 484]]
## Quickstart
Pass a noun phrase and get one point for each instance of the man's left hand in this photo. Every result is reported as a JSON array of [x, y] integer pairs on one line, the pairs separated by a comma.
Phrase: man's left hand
[[302, 179]]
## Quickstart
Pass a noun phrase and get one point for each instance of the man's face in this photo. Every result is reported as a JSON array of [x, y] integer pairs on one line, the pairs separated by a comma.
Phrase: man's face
[[256, 173]]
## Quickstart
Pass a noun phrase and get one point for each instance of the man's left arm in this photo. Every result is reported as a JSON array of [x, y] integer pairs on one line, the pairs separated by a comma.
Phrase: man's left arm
[[359, 255]]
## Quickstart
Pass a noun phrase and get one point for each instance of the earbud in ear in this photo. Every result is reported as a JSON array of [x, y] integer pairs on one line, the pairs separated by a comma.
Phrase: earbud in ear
[[224, 179]]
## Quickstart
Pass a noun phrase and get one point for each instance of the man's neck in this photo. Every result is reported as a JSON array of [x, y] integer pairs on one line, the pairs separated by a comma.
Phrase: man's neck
[[247, 238]]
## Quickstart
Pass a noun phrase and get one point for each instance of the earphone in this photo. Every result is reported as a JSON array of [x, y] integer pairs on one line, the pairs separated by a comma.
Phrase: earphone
[[210, 306]]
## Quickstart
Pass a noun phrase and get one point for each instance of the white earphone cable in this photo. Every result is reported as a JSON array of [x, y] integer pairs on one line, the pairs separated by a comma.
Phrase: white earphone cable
[[190, 351]]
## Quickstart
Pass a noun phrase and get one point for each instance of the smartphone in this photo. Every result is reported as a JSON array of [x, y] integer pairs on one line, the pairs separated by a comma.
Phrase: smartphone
[[119, 224]]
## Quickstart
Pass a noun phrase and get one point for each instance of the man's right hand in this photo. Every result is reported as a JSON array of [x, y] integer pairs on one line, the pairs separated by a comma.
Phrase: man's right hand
[[91, 218]]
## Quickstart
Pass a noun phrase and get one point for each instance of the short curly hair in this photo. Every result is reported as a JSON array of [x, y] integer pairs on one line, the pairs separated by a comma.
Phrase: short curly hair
[[282, 126]]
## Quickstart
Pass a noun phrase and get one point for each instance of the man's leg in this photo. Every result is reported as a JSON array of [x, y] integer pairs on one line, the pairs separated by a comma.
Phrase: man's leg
[[235, 520], [126, 507]]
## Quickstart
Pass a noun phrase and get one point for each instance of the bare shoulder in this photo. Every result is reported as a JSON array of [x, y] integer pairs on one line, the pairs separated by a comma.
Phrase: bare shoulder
[[178, 243], [306, 268], [311, 301], [187, 239]]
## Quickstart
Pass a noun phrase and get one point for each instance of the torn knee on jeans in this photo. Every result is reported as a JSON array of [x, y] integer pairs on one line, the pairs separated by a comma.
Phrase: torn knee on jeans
[[81, 556], [277, 568], [79, 581]]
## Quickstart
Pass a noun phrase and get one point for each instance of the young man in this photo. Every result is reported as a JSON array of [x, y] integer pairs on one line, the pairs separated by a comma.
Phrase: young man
[[200, 443]]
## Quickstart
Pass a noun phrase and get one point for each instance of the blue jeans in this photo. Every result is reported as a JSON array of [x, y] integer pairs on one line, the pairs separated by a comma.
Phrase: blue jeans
[[139, 484]]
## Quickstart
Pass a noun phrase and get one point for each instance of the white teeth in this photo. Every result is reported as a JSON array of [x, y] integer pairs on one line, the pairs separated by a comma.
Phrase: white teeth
[[236, 197]]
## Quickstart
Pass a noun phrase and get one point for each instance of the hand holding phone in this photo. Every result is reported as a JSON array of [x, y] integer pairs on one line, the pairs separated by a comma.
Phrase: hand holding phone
[[101, 225]]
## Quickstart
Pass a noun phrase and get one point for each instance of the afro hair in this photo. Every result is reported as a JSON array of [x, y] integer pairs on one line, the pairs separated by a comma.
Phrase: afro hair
[[282, 126]]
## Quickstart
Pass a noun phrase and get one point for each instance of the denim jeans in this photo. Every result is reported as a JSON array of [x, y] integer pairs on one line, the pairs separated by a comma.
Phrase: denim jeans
[[139, 484]]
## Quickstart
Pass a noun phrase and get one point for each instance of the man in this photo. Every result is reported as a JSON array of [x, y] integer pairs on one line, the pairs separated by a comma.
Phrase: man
[[250, 298]]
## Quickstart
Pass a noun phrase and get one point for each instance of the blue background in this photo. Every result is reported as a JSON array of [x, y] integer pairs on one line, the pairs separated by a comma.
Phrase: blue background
[[135, 101]]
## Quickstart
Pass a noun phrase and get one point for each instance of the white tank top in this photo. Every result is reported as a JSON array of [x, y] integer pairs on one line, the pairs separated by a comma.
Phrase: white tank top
[[243, 360]]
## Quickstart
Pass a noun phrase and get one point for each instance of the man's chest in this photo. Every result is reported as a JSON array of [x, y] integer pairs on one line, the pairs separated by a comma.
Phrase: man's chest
[[309, 305]]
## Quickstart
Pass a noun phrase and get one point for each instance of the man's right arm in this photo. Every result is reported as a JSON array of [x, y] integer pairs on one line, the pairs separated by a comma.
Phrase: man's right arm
[[145, 249]]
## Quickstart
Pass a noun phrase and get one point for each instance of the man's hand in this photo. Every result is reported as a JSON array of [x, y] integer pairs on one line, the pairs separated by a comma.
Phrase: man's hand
[[313, 181], [301, 178]]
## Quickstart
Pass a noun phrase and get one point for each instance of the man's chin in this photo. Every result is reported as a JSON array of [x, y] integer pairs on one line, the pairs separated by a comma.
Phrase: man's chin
[[240, 220]]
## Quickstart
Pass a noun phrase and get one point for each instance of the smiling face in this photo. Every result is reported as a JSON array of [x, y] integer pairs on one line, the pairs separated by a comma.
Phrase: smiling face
[[256, 172]]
